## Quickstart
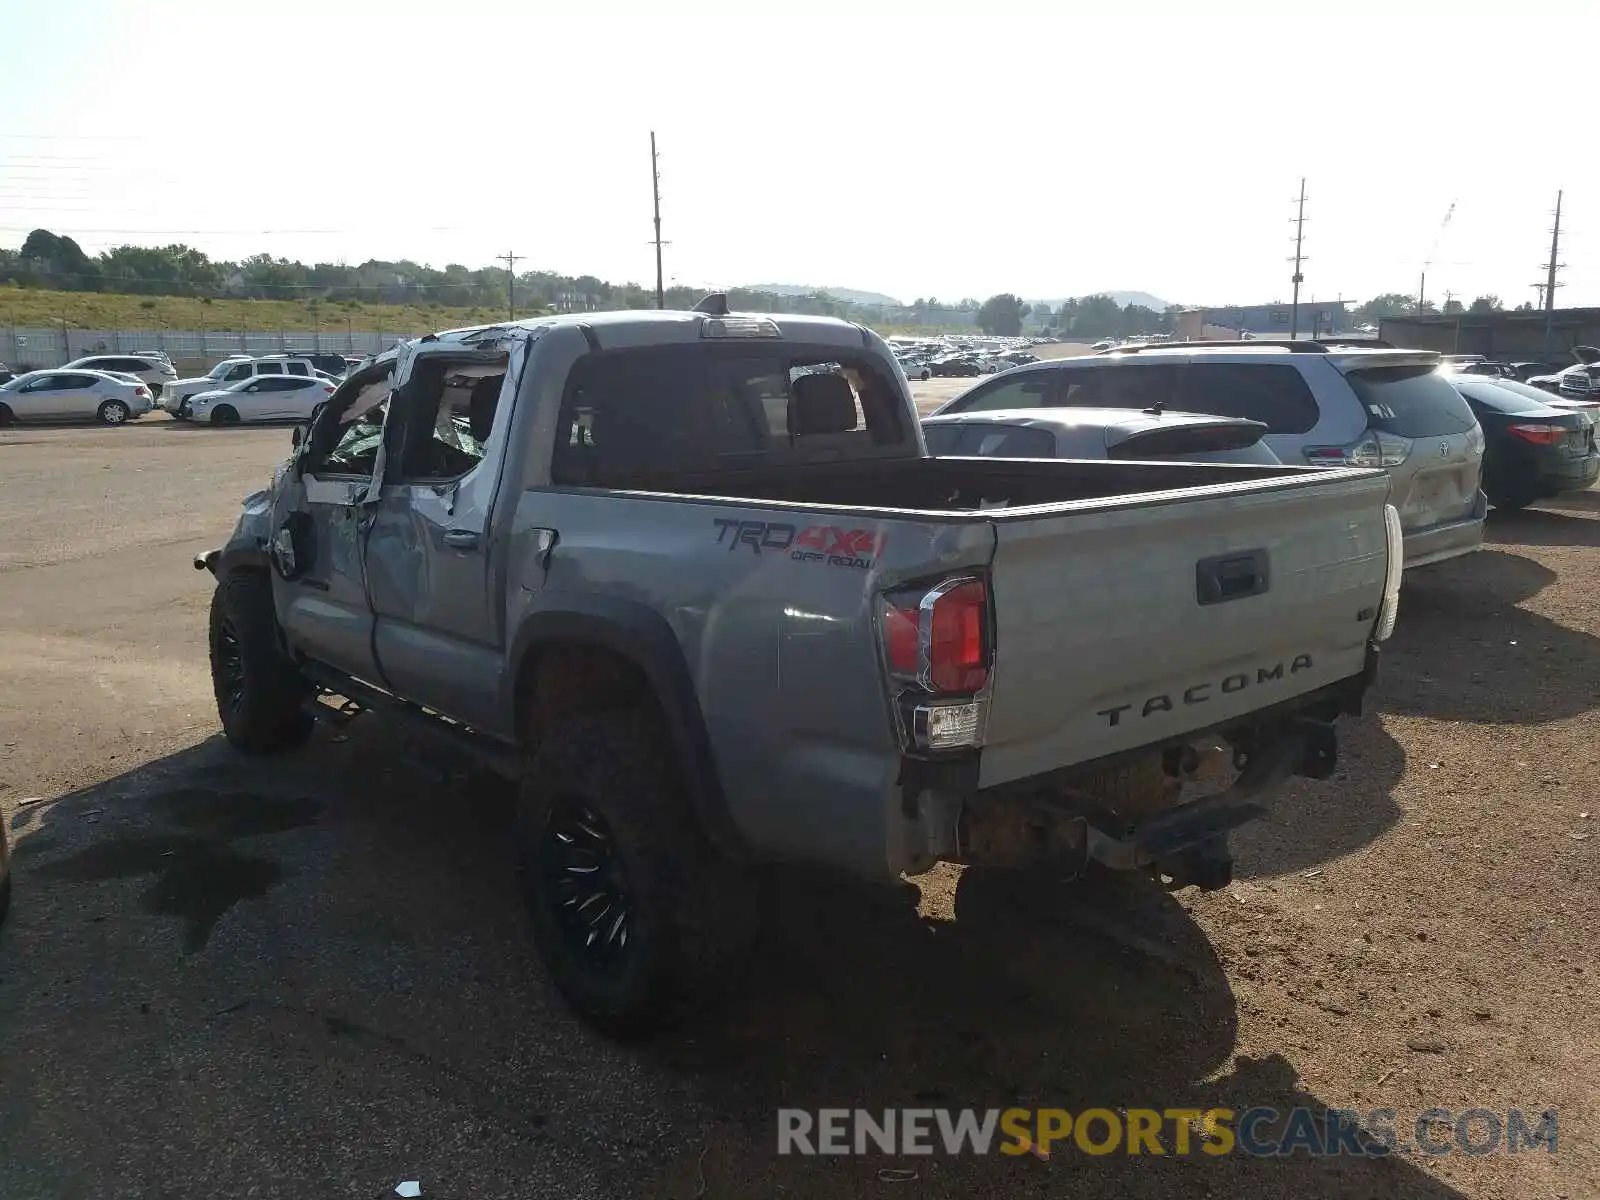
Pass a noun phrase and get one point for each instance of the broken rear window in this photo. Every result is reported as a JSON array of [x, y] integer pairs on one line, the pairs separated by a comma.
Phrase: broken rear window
[[640, 417]]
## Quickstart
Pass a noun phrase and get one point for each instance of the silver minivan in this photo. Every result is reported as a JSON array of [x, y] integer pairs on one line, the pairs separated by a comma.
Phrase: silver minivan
[[1323, 405]]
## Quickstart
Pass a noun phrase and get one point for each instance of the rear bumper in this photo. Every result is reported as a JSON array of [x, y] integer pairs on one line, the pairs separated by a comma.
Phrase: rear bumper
[[942, 801], [1439, 542], [1567, 475]]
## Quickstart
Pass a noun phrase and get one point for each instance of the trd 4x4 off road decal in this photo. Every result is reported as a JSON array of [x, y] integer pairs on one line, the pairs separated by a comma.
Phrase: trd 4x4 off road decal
[[857, 548]]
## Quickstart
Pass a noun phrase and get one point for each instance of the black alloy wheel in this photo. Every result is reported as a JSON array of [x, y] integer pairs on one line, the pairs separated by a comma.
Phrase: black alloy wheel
[[586, 885], [229, 658]]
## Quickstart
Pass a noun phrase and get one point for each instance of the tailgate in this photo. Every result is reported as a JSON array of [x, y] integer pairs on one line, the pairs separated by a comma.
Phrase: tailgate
[[1141, 621]]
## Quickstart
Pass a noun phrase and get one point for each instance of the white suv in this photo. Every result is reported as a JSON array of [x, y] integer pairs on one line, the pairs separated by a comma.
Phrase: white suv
[[154, 370], [231, 370], [1323, 405]]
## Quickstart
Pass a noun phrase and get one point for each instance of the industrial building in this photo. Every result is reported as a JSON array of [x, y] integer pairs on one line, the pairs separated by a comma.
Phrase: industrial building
[[1266, 320], [1503, 336]]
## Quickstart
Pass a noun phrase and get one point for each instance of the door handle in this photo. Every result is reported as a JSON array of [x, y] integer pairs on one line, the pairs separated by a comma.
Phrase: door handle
[[461, 539], [1231, 577]]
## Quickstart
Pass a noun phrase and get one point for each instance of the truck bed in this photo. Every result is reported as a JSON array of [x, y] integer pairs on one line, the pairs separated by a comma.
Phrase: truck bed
[[956, 485], [1106, 639]]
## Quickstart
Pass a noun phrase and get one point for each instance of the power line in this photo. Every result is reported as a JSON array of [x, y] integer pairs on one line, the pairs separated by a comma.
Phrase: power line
[[1297, 278], [1422, 285], [510, 261]]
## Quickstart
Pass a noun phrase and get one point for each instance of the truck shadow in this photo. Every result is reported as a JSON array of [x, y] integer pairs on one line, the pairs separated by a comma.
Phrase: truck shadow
[[1105, 995], [1564, 521], [1312, 822], [1465, 649], [353, 913]]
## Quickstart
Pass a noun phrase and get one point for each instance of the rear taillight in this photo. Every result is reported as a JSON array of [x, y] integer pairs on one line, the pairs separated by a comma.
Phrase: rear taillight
[[1375, 449], [936, 638], [937, 649], [1538, 435]]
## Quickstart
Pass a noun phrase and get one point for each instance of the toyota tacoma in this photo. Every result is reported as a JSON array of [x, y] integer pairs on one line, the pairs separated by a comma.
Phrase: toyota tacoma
[[694, 580]]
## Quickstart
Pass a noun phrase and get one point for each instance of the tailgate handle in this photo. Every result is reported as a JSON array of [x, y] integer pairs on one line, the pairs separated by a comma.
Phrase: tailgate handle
[[1231, 577]]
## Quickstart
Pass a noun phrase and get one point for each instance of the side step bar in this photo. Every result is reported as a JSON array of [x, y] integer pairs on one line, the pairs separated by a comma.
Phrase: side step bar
[[497, 756]]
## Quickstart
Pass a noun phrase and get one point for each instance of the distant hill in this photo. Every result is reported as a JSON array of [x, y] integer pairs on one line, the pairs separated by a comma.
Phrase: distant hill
[[1123, 299], [850, 295]]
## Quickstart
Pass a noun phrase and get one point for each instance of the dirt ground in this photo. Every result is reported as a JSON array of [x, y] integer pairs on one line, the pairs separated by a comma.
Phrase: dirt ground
[[310, 977]]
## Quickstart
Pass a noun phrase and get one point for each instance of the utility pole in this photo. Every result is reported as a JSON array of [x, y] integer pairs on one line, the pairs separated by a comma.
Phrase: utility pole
[[1550, 284], [1297, 278], [510, 261], [655, 184]]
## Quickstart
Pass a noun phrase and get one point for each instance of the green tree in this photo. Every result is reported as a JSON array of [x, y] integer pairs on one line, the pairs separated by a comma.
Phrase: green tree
[[1390, 304], [1002, 315], [1486, 304], [58, 261]]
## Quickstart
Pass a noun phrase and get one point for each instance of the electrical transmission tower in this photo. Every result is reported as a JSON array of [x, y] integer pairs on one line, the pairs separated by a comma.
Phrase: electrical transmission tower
[[1422, 285], [1297, 278], [1547, 294]]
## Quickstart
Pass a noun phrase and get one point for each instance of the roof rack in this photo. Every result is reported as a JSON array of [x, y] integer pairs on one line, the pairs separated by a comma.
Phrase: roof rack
[[1293, 345]]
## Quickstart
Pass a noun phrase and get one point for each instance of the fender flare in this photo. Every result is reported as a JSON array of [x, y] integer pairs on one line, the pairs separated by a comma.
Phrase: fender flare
[[641, 635]]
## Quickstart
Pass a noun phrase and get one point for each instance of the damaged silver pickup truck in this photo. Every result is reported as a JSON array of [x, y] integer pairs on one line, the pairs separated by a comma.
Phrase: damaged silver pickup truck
[[693, 578]]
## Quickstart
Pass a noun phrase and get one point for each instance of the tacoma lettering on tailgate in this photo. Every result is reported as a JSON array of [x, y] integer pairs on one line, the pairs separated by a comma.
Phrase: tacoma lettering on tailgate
[[1201, 692], [858, 548]]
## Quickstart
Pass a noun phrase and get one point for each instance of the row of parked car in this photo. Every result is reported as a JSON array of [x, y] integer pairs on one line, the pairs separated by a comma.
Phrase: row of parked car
[[1453, 441], [118, 388], [956, 363]]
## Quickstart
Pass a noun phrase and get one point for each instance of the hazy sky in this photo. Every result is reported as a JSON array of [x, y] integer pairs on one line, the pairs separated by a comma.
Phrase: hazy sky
[[910, 148]]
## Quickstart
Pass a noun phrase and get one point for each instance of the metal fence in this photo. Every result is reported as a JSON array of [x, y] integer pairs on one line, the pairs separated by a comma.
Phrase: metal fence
[[23, 348]]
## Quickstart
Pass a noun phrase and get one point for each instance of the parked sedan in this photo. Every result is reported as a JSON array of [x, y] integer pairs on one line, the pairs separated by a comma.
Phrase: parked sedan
[[915, 368], [264, 398], [63, 395], [1533, 449], [1097, 433]]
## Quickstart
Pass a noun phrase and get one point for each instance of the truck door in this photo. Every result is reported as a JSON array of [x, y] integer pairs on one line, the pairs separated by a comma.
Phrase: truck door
[[430, 567], [319, 586]]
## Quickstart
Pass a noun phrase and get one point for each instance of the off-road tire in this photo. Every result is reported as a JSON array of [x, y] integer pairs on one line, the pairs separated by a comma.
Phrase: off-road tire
[[224, 414], [690, 912], [260, 695], [114, 412]]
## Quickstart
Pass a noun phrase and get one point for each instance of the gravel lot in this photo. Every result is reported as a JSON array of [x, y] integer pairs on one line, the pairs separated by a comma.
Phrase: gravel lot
[[310, 977]]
